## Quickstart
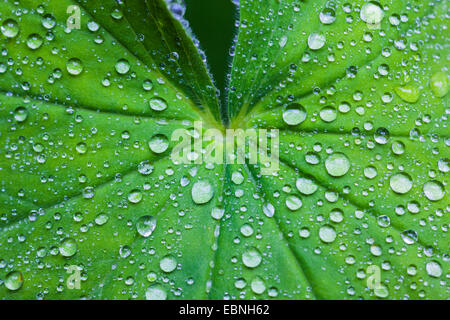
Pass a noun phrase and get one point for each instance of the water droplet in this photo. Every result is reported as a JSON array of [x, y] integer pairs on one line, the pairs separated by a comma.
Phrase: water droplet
[[269, 210], [370, 172], [156, 292], [381, 135], [251, 258], [68, 247], [327, 16], [20, 114], [158, 143], [237, 177], [74, 66], [14, 280], [316, 40], [116, 14], [93, 26], [434, 190], [81, 147], [135, 196], [383, 221], [202, 192], [48, 21], [409, 236], [372, 13], [146, 225], [10, 28], [381, 291], [147, 85], [122, 66], [439, 84], [101, 219], [168, 264], [304, 233], [408, 93], [433, 269], [294, 114], [337, 164], [293, 203], [336, 215], [400, 183], [327, 234], [444, 165], [34, 41], [306, 186], [145, 168], [217, 213], [258, 286], [246, 230], [328, 114], [158, 104], [398, 147]]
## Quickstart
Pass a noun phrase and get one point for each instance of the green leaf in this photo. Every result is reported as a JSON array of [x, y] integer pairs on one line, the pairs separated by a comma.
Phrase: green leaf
[[360, 102]]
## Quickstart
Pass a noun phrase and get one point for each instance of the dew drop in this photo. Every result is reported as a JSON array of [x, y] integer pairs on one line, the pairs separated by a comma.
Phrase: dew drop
[[251, 258], [158, 104], [68, 247], [146, 225], [433, 269], [294, 115], [202, 192], [10, 28], [158, 143], [20, 114], [316, 40], [398, 147], [269, 210], [168, 264], [122, 66], [337, 164], [14, 280], [327, 16], [156, 292], [293, 203], [34, 41], [328, 114], [372, 13], [401, 183], [217, 213], [258, 286], [434, 190], [48, 21], [74, 66], [306, 186], [145, 168], [135, 196], [439, 84], [409, 236], [381, 135], [327, 234]]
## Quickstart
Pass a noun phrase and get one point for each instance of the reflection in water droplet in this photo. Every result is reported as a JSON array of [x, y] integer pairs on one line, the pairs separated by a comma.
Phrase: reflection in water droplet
[[316, 40], [68, 247], [158, 104], [294, 114], [14, 280], [327, 234], [168, 264], [306, 186], [156, 292], [74, 66], [400, 183], [251, 258], [146, 225], [202, 192], [433, 269], [158, 143], [337, 164], [9, 28], [434, 190]]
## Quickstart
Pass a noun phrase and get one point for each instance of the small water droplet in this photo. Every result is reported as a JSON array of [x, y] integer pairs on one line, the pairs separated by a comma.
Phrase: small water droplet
[[20, 114], [408, 93], [158, 104], [328, 114], [372, 13], [217, 213], [433, 269], [135, 196]]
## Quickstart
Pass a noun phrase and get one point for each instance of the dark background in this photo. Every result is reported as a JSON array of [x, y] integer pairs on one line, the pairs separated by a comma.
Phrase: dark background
[[212, 22]]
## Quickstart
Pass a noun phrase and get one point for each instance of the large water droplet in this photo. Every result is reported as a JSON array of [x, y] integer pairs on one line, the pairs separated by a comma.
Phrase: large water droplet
[[158, 143], [372, 13], [434, 190], [327, 234], [337, 164], [14, 280], [293, 203], [327, 16], [156, 292], [135, 196], [409, 236], [251, 258], [408, 93], [217, 213], [433, 269], [74, 66], [258, 286], [202, 192], [168, 264], [328, 114], [294, 114], [20, 114], [316, 40], [306, 186], [68, 247], [34, 41], [439, 84], [158, 104], [146, 225], [122, 66], [10, 28], [400, 183]]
